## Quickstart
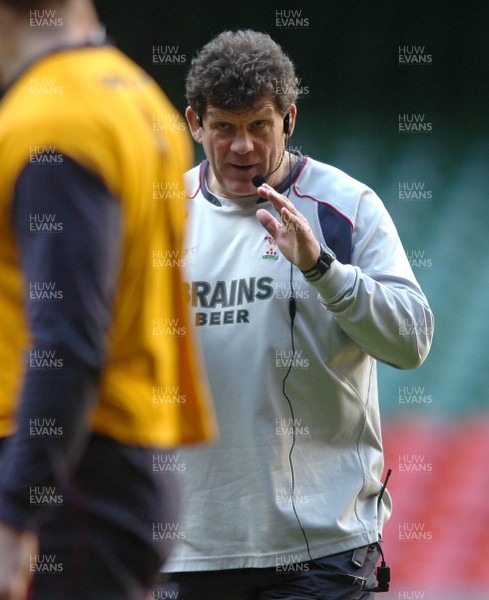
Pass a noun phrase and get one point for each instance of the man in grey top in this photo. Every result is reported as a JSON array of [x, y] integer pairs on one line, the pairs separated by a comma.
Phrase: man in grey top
[[299, 284]]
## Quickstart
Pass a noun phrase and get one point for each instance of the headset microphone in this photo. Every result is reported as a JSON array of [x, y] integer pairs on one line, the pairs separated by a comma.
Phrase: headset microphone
[[259, 180]]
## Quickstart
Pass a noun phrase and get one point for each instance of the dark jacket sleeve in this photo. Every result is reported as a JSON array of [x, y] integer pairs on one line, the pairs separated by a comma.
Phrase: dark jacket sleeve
[[68, 228]]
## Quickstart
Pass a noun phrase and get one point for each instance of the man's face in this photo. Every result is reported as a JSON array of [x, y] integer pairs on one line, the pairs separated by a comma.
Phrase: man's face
[[240, 145]]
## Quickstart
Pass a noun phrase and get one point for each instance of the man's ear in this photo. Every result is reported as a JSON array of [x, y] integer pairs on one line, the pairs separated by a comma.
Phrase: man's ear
[[293, 116], [193, 121]]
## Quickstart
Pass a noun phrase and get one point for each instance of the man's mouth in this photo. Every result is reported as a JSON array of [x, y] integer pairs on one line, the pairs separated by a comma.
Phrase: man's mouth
[[243, 168]]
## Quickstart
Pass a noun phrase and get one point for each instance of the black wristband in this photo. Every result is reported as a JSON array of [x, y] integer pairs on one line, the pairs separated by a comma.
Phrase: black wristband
[[325, 260]]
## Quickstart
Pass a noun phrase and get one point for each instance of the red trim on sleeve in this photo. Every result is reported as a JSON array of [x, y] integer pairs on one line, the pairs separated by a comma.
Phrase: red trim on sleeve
[[315, 199]]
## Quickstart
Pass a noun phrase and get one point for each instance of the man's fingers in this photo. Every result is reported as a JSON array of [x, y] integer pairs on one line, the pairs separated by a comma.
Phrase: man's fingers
[[279, 201], [268, 221], [16, 549], [290, 221]]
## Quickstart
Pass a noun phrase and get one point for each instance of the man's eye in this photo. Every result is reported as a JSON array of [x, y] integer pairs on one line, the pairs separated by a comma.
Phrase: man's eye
[[222, 126], [259, 124]]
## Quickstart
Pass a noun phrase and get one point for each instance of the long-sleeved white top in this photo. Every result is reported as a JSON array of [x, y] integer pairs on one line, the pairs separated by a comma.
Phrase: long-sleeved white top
[[238, 496]]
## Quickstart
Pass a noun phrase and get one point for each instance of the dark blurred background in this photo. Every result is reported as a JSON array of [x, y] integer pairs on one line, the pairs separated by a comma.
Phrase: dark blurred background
[[345, 51], [359, 79]]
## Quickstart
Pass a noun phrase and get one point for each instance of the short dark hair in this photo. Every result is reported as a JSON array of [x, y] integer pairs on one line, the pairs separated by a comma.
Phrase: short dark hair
[[236, 69]]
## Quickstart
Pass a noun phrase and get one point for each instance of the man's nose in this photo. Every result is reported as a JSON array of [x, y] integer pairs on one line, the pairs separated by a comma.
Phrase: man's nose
[[242, 142]]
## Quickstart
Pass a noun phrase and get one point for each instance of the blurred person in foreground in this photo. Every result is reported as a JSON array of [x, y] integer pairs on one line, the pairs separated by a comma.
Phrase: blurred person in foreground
[[88, 342], [299, 284]]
